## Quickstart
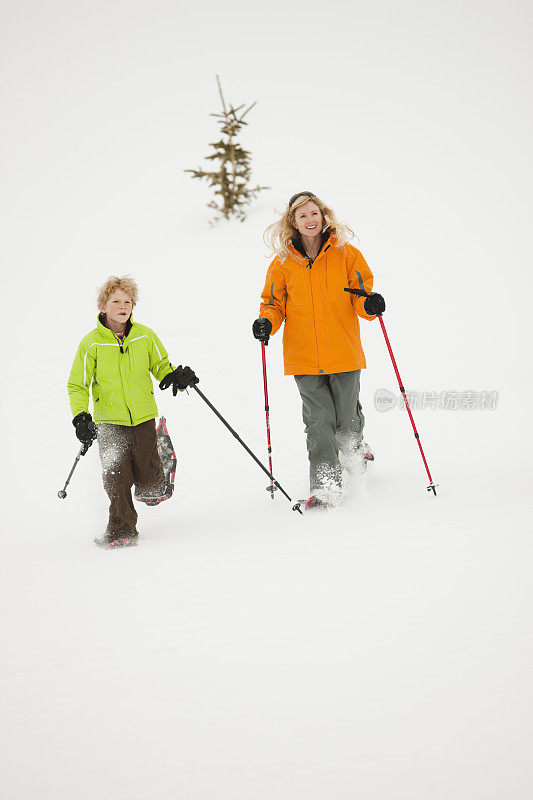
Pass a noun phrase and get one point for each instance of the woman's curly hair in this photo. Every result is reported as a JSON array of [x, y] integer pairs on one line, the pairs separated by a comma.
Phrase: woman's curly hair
[[112, 284], [278, 236]]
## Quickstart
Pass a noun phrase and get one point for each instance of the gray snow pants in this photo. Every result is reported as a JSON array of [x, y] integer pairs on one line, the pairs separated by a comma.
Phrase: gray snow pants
[[334, 422]]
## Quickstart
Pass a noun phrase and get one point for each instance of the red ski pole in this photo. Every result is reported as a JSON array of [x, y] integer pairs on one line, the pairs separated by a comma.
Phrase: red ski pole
[[432, 485], [270, 488]]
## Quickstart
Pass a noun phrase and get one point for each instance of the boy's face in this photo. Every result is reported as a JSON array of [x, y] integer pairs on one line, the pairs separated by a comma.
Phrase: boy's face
[[118, 308]]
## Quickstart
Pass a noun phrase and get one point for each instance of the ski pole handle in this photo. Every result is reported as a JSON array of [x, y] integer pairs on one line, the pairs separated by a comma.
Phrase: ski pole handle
[[362, 293], [359, 292]]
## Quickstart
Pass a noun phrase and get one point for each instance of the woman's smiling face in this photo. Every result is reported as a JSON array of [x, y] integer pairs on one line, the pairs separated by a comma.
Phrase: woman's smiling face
[[308, 219]]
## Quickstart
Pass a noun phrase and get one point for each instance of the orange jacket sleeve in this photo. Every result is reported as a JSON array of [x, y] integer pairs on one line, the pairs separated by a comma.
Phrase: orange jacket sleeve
[[359, 277], [274, 296]]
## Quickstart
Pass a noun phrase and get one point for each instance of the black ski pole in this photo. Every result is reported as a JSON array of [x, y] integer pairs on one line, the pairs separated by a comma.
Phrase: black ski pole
[[228, 426], [83, 449]]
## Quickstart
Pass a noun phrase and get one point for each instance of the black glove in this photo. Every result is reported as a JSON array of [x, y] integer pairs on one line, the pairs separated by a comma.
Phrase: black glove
[[179, 379], [261, 329], [85, 428], [374, 304]]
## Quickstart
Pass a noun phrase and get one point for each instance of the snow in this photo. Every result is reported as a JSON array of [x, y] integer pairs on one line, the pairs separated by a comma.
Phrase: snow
[[380, 652]]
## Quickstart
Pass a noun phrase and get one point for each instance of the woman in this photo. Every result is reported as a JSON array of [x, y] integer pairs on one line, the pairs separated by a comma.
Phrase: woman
[[304, 288]]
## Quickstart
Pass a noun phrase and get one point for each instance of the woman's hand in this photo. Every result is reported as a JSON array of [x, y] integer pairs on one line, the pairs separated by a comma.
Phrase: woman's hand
[[261, 329], [374, 304]]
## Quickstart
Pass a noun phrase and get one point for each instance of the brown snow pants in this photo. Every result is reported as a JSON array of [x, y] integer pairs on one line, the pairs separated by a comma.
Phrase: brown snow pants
[[129, 456]]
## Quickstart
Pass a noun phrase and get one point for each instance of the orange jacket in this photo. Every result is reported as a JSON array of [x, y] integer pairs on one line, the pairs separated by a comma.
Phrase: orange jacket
[[321, 332]]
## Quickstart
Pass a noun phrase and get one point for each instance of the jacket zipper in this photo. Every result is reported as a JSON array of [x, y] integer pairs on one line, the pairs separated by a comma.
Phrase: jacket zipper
[[313, 302], [310, 263], [119, 342], [316, 337], [122, 353]]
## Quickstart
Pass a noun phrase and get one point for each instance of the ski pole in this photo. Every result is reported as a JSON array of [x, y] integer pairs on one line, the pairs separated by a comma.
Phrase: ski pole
[[432, 485], [228, 426], [270, 488], [83, 449]]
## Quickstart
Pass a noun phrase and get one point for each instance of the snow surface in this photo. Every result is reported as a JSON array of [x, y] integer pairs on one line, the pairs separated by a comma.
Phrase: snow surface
[[383, 652]]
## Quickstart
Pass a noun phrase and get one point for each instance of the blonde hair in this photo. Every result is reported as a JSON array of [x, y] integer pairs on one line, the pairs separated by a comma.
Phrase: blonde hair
[[278, 236], [113, 284]]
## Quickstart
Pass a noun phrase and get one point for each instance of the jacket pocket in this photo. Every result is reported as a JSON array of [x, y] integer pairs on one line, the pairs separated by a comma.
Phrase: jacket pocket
[[336, 282], [298, 286], [343, 337], [155, 460], [340, 307]]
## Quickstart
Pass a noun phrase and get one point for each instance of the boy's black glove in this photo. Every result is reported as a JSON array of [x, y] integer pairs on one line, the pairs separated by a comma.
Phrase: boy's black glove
[[374, 304], [261, 329], [179, 379], [85, 428]]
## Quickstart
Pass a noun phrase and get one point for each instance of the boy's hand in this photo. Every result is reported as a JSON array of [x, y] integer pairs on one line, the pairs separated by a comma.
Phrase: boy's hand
[[85, 428], [181, 378]]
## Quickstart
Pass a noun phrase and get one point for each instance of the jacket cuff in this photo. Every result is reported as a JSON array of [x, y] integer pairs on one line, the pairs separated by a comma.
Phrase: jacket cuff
[[276, 323]]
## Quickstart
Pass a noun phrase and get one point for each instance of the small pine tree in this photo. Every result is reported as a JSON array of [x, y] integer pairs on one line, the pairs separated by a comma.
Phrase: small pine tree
[[231, 179]]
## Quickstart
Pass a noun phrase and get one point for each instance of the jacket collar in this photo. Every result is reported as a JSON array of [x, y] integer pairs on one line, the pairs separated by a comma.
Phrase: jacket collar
[[108, 333], [297, 244]]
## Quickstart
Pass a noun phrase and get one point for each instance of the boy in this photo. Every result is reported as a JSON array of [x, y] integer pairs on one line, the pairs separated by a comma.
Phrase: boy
[[116, 358]]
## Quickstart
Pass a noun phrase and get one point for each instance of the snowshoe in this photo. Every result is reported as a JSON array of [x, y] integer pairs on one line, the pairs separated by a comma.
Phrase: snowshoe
[[320, 502], [316, 504], [355, 461], [169, 462], [109, 543], [366, 451]]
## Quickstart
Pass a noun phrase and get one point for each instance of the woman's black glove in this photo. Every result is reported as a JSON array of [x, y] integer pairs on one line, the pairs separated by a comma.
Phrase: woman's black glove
[[374, 304], [261, 329], [179, 379], [85, 428]]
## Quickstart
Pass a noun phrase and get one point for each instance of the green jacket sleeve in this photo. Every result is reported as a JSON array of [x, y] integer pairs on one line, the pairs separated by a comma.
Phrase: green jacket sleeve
[[159, 361], [80, 379]]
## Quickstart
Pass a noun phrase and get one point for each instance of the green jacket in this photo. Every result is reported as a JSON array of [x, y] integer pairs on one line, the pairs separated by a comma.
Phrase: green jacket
[[123, 393]]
